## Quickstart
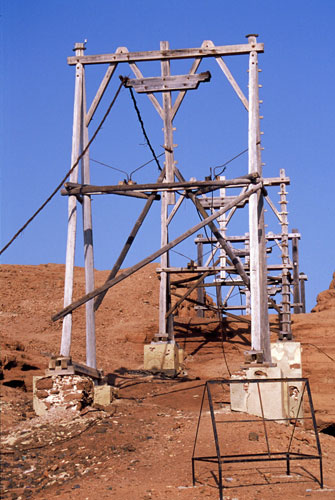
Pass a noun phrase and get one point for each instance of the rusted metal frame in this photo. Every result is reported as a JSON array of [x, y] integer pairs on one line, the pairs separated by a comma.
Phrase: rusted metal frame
[[127, 245], [189, 291], [123, 55], [263, 419], [254, 457], [150, 258]]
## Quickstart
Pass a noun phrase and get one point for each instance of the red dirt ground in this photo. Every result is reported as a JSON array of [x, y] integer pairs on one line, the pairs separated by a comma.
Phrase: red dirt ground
[[141, 446]]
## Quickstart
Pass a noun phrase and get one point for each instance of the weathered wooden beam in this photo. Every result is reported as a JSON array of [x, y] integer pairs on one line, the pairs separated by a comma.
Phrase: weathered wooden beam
[[122, 54], [239, 239], [128, 244], [167, 83], [91, 359], [99, 95], [65, 347], [74, 188], [182, 94], [151, 257]]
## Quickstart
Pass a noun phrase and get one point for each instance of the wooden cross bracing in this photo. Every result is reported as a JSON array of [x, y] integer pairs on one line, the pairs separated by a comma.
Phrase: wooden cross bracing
[[252, 274]]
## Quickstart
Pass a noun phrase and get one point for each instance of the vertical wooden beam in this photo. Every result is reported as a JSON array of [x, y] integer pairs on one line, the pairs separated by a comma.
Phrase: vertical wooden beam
[[88, 243], [165, 326], [260, 334], [302, 292], [72, 203], [200, 290], [295, 261], [168, 129]]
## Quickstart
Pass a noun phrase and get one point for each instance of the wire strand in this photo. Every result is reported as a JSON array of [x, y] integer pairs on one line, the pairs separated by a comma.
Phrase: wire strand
[[68, 173], [143, 129]]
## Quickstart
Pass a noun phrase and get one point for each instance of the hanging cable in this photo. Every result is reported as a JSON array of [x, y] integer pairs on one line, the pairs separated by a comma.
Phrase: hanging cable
[[142, 126], [82, 154]]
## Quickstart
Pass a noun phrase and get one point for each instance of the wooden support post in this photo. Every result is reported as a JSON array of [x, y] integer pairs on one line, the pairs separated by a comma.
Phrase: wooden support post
[[295, 261], [91, 359], [168, 128], [72, 203], [302, 292], [164, 288], [285, 319], [200, 291], [260, 335]]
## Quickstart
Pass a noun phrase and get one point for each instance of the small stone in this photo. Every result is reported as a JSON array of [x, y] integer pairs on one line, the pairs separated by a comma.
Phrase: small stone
[[253, 436]]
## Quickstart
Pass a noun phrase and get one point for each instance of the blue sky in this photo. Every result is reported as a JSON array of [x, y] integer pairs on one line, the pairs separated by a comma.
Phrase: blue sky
[[37, 102]]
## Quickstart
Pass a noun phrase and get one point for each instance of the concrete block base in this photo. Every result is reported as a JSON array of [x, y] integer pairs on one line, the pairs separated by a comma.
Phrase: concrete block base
[[245, 397], [164, 357], [279, 400], [103, 395]]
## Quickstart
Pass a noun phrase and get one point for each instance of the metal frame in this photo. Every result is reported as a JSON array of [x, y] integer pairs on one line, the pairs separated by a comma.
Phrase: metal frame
[[268, 456]]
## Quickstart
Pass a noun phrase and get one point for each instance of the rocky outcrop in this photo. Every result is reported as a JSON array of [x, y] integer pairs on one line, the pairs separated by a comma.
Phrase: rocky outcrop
[[326, 300]]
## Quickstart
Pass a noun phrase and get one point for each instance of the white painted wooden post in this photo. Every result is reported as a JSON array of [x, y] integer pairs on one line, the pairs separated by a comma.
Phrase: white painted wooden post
[[166, 326], [260, 336], [88, 244], [72, 203]]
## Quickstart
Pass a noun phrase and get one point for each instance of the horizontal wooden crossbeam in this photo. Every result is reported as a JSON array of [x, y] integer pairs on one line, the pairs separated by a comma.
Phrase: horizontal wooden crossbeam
[[168, 83], [122, 54]]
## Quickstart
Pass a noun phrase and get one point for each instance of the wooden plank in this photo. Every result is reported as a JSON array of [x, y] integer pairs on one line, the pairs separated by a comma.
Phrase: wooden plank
[[150, 258], [151, 96], [65, 347], [91, 359], [167, 83], [128, 244], [99, 95], [158, 55]]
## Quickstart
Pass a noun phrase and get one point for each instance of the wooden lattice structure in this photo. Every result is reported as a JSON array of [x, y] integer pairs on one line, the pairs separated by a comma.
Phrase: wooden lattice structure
[[248, 265]]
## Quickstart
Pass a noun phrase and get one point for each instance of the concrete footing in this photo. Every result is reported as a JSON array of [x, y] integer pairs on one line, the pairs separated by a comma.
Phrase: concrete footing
[[279, 400], [164, 357]]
